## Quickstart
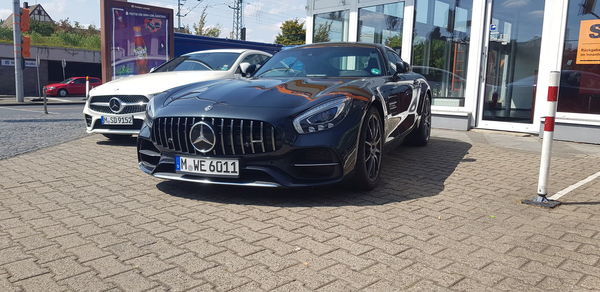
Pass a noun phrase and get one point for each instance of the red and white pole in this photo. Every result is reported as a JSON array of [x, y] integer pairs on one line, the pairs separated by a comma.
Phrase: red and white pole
[[87, 87], [548, 138]]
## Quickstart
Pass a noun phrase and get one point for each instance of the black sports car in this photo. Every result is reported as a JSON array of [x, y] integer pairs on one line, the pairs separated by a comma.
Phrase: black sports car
[[312, 115]]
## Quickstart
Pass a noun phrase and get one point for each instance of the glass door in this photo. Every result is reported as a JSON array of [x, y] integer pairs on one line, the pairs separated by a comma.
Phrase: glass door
[[511, 64]]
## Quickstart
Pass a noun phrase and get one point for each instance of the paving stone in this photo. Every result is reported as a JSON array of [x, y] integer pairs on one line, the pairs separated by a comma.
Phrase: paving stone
[[132, 281], [24, 269], [149, 264], [222, 279], [177, 280], [190, 263], [108, 266], [65, 268], [42, 283]]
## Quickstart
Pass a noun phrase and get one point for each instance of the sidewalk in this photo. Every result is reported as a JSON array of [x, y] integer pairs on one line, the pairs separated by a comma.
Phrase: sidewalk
[[10, 100]]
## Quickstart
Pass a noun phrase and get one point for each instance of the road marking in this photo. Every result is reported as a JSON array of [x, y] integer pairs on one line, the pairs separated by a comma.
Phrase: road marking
[[60, 99], [24, 110], [572, 187]]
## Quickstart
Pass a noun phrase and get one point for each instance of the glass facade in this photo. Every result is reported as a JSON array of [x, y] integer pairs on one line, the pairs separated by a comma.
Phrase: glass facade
[[441, 39], [331, 27], [580, 79], [485, 60], [382, 24]]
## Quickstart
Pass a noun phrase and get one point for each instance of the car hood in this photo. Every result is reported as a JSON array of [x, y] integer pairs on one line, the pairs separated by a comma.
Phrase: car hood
[[268, 93], [152, 83]]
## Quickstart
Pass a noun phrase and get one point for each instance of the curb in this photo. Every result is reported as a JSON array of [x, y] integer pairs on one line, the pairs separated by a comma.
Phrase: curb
[[41, 103]]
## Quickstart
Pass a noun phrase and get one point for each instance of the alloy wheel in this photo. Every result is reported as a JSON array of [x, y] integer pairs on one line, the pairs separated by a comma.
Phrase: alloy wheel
[[373, 149]]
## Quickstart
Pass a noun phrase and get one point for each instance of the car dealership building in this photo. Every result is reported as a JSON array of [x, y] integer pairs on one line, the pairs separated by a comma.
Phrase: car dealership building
[[485, 59]]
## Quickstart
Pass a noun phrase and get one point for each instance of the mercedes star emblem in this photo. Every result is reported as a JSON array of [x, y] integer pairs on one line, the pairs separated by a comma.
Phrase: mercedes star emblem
[[115, 105], [208, 107], [203, 137]]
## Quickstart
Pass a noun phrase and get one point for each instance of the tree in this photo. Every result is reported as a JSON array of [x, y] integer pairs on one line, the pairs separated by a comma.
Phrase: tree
[[322, 32], [202, 29], [292, 33]]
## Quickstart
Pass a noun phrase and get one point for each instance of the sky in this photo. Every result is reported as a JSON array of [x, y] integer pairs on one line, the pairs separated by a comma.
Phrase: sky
[[262, 18]]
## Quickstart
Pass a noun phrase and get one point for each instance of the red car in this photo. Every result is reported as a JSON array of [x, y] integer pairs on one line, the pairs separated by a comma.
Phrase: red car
[[71, 86]]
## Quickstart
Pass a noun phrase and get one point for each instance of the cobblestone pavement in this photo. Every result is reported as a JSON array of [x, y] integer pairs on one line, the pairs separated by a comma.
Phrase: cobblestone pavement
[[81, 216]]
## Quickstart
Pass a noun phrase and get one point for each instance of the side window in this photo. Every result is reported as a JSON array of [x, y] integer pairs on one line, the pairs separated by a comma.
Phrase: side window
[[252, 59], [393, 58], [79, 81], [263, 59]]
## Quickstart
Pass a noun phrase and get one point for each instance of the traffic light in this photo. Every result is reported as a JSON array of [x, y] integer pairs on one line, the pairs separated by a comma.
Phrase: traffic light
[[25, 46], [24, 19]]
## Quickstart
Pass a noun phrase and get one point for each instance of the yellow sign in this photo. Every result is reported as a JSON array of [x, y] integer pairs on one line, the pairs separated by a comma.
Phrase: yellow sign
[[588, 50]]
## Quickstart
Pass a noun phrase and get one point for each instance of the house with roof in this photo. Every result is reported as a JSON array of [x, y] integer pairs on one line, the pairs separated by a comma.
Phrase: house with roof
[[36, 12]]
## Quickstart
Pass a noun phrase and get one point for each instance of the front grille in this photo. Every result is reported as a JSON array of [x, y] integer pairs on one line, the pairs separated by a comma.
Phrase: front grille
[[233, 136], [123, 98], [100, 103]]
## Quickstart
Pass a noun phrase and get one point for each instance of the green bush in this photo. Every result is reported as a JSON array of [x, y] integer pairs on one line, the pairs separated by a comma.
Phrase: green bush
[[43, 28], [6, 33], [53, 35]]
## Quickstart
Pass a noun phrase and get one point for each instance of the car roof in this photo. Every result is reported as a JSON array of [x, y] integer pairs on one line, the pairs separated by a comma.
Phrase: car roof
[[239, 51]]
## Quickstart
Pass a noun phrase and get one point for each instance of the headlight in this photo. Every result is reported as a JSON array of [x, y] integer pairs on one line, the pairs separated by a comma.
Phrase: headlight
[[322, 117], [51, 87]]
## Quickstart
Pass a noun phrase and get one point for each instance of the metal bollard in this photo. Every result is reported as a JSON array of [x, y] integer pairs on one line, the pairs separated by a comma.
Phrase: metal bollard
[[45, 102], [87, 87], [541, 200]]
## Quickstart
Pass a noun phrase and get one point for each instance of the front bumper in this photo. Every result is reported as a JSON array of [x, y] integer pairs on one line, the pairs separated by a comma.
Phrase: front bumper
[[94, 125], [50, 92], [314, 159]]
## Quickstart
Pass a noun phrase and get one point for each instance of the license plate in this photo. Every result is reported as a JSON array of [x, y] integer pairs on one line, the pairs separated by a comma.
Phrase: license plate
[[208, 166], [116, 120]]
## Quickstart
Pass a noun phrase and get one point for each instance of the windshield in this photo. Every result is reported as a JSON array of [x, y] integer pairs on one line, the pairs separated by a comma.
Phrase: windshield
[[324, 62], [200, 62], [67, 81]]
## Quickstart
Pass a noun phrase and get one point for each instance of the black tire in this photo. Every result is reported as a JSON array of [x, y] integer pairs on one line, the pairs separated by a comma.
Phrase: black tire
[[63, 93], [420, 135], [117, 137], [370, 151]]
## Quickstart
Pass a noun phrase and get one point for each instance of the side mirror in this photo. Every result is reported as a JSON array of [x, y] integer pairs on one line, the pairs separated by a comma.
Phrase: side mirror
[[247, 69], [402, 67]]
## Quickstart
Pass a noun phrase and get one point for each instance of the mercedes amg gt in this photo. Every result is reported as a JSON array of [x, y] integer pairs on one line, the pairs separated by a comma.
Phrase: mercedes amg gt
[[312, 115]]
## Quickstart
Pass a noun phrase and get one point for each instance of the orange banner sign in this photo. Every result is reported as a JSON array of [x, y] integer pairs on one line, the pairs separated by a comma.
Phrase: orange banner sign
[[588, 50]]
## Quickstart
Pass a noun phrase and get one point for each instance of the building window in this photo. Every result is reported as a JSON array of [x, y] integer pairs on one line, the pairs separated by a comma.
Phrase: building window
[[382, 24], [580, 77], [331, 27], [441, 47]]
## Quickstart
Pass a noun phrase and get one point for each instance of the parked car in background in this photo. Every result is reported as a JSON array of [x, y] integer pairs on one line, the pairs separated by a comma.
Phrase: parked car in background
[[116, 109], [71, 86], [312, 115]]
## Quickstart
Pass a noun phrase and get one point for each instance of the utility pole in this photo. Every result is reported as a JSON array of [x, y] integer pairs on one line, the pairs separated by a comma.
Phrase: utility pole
[[18, 58], [179, 4], [238, 19]]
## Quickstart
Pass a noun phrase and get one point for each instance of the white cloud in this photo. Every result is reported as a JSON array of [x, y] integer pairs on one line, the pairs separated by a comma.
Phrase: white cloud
[[4, 13], [537, 13], [515, 3]]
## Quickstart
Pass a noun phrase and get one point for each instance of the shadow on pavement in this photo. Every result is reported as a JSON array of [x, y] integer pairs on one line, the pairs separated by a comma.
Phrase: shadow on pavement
[[408, 173], [123, 141]]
